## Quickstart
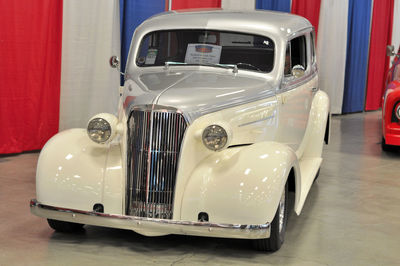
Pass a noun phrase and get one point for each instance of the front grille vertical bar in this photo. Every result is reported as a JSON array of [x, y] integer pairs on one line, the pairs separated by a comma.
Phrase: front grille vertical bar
[[163, 175], [160, 154], [174, 119], [156, 160], [167, 185], [167, 161], [149, 155], [143, 164], [153, 165]]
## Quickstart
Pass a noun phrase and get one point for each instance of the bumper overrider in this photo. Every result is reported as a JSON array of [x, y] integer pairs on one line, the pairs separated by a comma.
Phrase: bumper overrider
[[142, 224]]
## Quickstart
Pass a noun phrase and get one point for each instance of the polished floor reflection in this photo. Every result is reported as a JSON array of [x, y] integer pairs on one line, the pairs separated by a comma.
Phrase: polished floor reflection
[[351, 217]]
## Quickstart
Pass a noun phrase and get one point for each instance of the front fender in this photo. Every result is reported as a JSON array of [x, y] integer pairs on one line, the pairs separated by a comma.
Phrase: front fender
[[76, 173], [239, 185]]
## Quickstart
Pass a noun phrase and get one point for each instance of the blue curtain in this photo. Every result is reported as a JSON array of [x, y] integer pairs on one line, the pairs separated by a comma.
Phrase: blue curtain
[[359, 19], [132, 13], [277, 5]]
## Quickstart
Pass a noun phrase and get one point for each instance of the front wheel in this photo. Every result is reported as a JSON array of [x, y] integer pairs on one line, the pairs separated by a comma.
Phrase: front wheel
[[65, 227], [278, 226]]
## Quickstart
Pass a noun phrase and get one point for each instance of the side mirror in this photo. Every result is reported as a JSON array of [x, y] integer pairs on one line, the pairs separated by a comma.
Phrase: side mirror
[[298, 71], [114, 62], [390, 50]]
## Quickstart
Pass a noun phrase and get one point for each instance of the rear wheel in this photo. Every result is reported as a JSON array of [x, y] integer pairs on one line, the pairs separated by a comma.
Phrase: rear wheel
[[65, 227], [278, 226]]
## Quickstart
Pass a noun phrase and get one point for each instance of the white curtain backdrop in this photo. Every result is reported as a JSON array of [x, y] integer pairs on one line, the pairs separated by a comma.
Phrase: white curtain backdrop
[[91, 35], [396, 26], [331, 50], [238, 4]]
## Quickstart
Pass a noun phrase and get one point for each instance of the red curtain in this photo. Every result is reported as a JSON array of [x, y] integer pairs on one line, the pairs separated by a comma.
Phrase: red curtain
[[381, 35], [308, 9], [30, 70], [182, 4]]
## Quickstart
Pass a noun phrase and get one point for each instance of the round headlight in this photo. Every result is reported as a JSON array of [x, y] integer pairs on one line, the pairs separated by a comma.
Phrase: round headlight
[[99, 130], [215, 137], [398, 111]]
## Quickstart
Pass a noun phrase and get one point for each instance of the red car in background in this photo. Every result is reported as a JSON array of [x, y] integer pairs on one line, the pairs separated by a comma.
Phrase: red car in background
[[391, 104]]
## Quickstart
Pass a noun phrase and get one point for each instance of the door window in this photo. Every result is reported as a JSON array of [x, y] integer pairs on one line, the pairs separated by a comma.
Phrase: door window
[[296, 55], [312, 48], [298, 51]]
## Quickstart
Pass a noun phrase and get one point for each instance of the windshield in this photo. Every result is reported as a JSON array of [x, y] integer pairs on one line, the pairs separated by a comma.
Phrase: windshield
[[206, 47]]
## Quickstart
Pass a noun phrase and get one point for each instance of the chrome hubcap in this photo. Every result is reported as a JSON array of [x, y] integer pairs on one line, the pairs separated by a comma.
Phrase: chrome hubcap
[[282, 211]]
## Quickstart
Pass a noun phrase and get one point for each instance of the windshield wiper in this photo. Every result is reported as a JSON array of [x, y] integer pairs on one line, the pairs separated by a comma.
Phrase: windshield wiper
[[234, 67], [226, 66], [168, 63]]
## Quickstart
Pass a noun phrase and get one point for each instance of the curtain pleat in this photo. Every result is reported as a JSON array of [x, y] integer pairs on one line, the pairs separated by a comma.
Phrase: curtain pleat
[[359, 20], [277, 5], [30, 54], [331, 50], [381, 34], [308, 9], [88, 84], [182, 4]]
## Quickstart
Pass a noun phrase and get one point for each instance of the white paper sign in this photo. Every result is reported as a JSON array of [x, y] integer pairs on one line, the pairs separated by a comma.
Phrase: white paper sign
[[198, 53], [151, 56]]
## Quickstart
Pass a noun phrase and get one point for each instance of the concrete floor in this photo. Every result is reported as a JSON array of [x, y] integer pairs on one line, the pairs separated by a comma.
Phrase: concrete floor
[[351, 217]]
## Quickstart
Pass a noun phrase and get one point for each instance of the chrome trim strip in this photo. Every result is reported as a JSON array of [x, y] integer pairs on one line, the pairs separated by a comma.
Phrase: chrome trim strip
[[289, 85], [163, 226], [239, 145], [259, 120]]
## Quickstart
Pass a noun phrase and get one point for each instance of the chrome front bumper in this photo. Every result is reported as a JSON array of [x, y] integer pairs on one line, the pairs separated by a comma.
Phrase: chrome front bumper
[[149, 226]]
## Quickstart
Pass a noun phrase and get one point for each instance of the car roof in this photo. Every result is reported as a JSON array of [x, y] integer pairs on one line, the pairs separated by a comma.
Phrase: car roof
[[261, 22]]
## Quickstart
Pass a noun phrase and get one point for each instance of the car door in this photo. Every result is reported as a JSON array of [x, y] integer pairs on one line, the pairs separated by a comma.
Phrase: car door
[[296, 92]]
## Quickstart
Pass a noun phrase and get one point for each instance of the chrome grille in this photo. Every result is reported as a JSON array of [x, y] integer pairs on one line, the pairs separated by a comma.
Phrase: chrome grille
[[154, 142]]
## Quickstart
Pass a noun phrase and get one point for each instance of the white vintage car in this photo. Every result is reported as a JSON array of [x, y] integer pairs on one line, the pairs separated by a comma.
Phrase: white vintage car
[[220, 117]]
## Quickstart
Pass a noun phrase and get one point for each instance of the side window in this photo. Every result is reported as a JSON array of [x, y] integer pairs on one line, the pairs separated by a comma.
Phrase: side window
[[296, 55], [312, 34], [298, 51], [288, 61]]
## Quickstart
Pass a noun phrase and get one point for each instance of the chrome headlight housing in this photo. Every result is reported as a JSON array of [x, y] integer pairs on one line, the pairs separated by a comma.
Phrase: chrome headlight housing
[[215, 137], [102, 128]]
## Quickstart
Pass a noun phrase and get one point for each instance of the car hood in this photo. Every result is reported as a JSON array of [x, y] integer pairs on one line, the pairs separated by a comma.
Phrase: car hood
[[195, 93]]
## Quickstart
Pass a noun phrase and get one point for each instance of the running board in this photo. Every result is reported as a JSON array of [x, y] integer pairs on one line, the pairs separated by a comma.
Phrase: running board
[[309, 167]]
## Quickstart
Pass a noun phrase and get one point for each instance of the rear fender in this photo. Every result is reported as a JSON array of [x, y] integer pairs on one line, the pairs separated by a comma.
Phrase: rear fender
[[318, 129]]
